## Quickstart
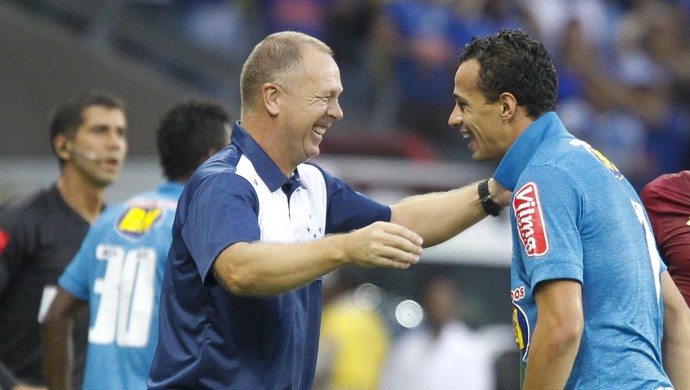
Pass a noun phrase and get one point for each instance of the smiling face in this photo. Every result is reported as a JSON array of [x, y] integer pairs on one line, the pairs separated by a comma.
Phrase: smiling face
[[309, 106], [482, 122]]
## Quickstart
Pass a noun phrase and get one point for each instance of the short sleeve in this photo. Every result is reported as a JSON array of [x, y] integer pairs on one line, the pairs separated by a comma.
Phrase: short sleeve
[[547, 212], [222, 210], [349, 209]]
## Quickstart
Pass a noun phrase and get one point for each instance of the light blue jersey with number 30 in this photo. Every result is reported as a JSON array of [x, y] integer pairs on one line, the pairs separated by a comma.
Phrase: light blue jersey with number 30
[[118, 270], [574, 216]]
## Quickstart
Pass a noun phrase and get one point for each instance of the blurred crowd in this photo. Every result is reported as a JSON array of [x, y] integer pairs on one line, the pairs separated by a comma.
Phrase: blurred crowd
[[624, 65]]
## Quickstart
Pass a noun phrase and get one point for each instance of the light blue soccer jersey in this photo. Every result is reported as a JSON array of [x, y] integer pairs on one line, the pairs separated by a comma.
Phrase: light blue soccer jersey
[[118, 270], [574, 216]]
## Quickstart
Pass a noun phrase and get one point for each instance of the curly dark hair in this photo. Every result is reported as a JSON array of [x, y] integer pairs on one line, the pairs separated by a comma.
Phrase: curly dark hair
[[187, 133], [511, 61]]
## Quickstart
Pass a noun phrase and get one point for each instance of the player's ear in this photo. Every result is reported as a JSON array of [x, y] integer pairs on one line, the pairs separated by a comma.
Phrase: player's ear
[[62, 146], [508, 105], [271, 94]]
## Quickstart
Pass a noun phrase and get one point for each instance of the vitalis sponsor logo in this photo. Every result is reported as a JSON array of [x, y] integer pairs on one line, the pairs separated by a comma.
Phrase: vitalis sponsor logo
[[530, 221]]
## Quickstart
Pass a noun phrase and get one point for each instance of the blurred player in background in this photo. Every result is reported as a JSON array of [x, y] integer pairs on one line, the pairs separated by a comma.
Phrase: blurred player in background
[[118, 270], [667, 199], [444, 353], [355, 337], [41, 232]]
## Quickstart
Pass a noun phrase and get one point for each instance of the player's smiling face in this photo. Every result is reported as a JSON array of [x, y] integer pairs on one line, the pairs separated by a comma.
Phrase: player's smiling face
[[311, 106], [478, 120]]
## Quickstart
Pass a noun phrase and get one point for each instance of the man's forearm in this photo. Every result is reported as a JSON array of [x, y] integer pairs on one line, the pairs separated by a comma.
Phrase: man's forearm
[[57, 354], [549, 365], [440, 216]]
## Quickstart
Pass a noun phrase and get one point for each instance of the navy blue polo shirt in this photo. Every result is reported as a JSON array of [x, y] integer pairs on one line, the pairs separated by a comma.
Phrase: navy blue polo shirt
[[211, 338]]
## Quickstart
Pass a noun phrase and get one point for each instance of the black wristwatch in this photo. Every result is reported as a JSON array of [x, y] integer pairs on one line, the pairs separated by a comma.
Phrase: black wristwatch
[[490, 207]]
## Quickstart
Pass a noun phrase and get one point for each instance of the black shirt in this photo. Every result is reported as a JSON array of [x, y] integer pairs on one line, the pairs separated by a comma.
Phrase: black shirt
[[41, 234]]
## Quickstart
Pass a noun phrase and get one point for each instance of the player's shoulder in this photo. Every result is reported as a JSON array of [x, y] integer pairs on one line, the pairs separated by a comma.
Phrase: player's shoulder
[[667, 186], [29, 206], [672, 180]]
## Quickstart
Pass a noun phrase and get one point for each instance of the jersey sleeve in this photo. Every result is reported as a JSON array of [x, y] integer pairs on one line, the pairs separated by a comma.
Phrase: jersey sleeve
[[349, 209], [222, 211], [547, 213]]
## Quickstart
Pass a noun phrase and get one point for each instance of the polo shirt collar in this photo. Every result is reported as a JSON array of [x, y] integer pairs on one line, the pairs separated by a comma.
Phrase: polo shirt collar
[[265, 167], [525, 146]]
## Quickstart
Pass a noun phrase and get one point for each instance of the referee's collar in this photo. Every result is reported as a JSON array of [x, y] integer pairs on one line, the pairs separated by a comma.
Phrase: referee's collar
[[267, 169]]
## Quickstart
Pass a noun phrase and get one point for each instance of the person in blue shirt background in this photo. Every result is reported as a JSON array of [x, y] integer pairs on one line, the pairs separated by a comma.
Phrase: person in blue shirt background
[[118, 269], [591, 297], [257, 227]]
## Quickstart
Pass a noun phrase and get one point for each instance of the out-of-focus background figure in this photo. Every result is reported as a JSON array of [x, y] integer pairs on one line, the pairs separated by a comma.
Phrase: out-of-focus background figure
[[355, 336], [667, 200], [442, 354]]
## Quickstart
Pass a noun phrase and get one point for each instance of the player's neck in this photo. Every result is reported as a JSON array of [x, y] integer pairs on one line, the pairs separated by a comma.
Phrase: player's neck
[[81, 195]]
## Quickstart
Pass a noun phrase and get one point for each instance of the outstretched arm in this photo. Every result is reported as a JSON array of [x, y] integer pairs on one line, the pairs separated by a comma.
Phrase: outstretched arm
[[440, 216], [272, 268], [56, 340]]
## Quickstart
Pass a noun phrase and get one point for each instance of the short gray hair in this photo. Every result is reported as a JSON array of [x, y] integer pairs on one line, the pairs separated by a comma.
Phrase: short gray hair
[[273, 60]]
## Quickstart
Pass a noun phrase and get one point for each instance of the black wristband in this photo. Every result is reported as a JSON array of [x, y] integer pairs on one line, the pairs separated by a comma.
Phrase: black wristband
[[490, 207]]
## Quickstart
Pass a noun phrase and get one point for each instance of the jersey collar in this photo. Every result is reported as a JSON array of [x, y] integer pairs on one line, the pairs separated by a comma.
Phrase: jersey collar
[[265, 167], [524, 148]]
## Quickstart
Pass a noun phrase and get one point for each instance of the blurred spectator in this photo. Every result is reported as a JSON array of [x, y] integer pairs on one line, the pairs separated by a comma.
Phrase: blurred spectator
[[443, 354], [349, 28], [354, 336], [596, 17], [416, 42], [655, 53], [627, 92], [307, 16], [215, 25]]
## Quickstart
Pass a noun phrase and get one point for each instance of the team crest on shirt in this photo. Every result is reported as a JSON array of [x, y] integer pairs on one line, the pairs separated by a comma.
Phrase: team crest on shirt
[[530, 220], [602, 159], [521, 330], [137, 221]]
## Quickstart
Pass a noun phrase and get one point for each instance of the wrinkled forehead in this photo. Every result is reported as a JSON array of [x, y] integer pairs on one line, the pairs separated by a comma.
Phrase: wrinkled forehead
[[320, 68]]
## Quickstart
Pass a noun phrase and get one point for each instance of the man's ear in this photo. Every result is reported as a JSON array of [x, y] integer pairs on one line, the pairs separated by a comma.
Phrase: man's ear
[[61, 144], [271, 92], [508, 105]]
